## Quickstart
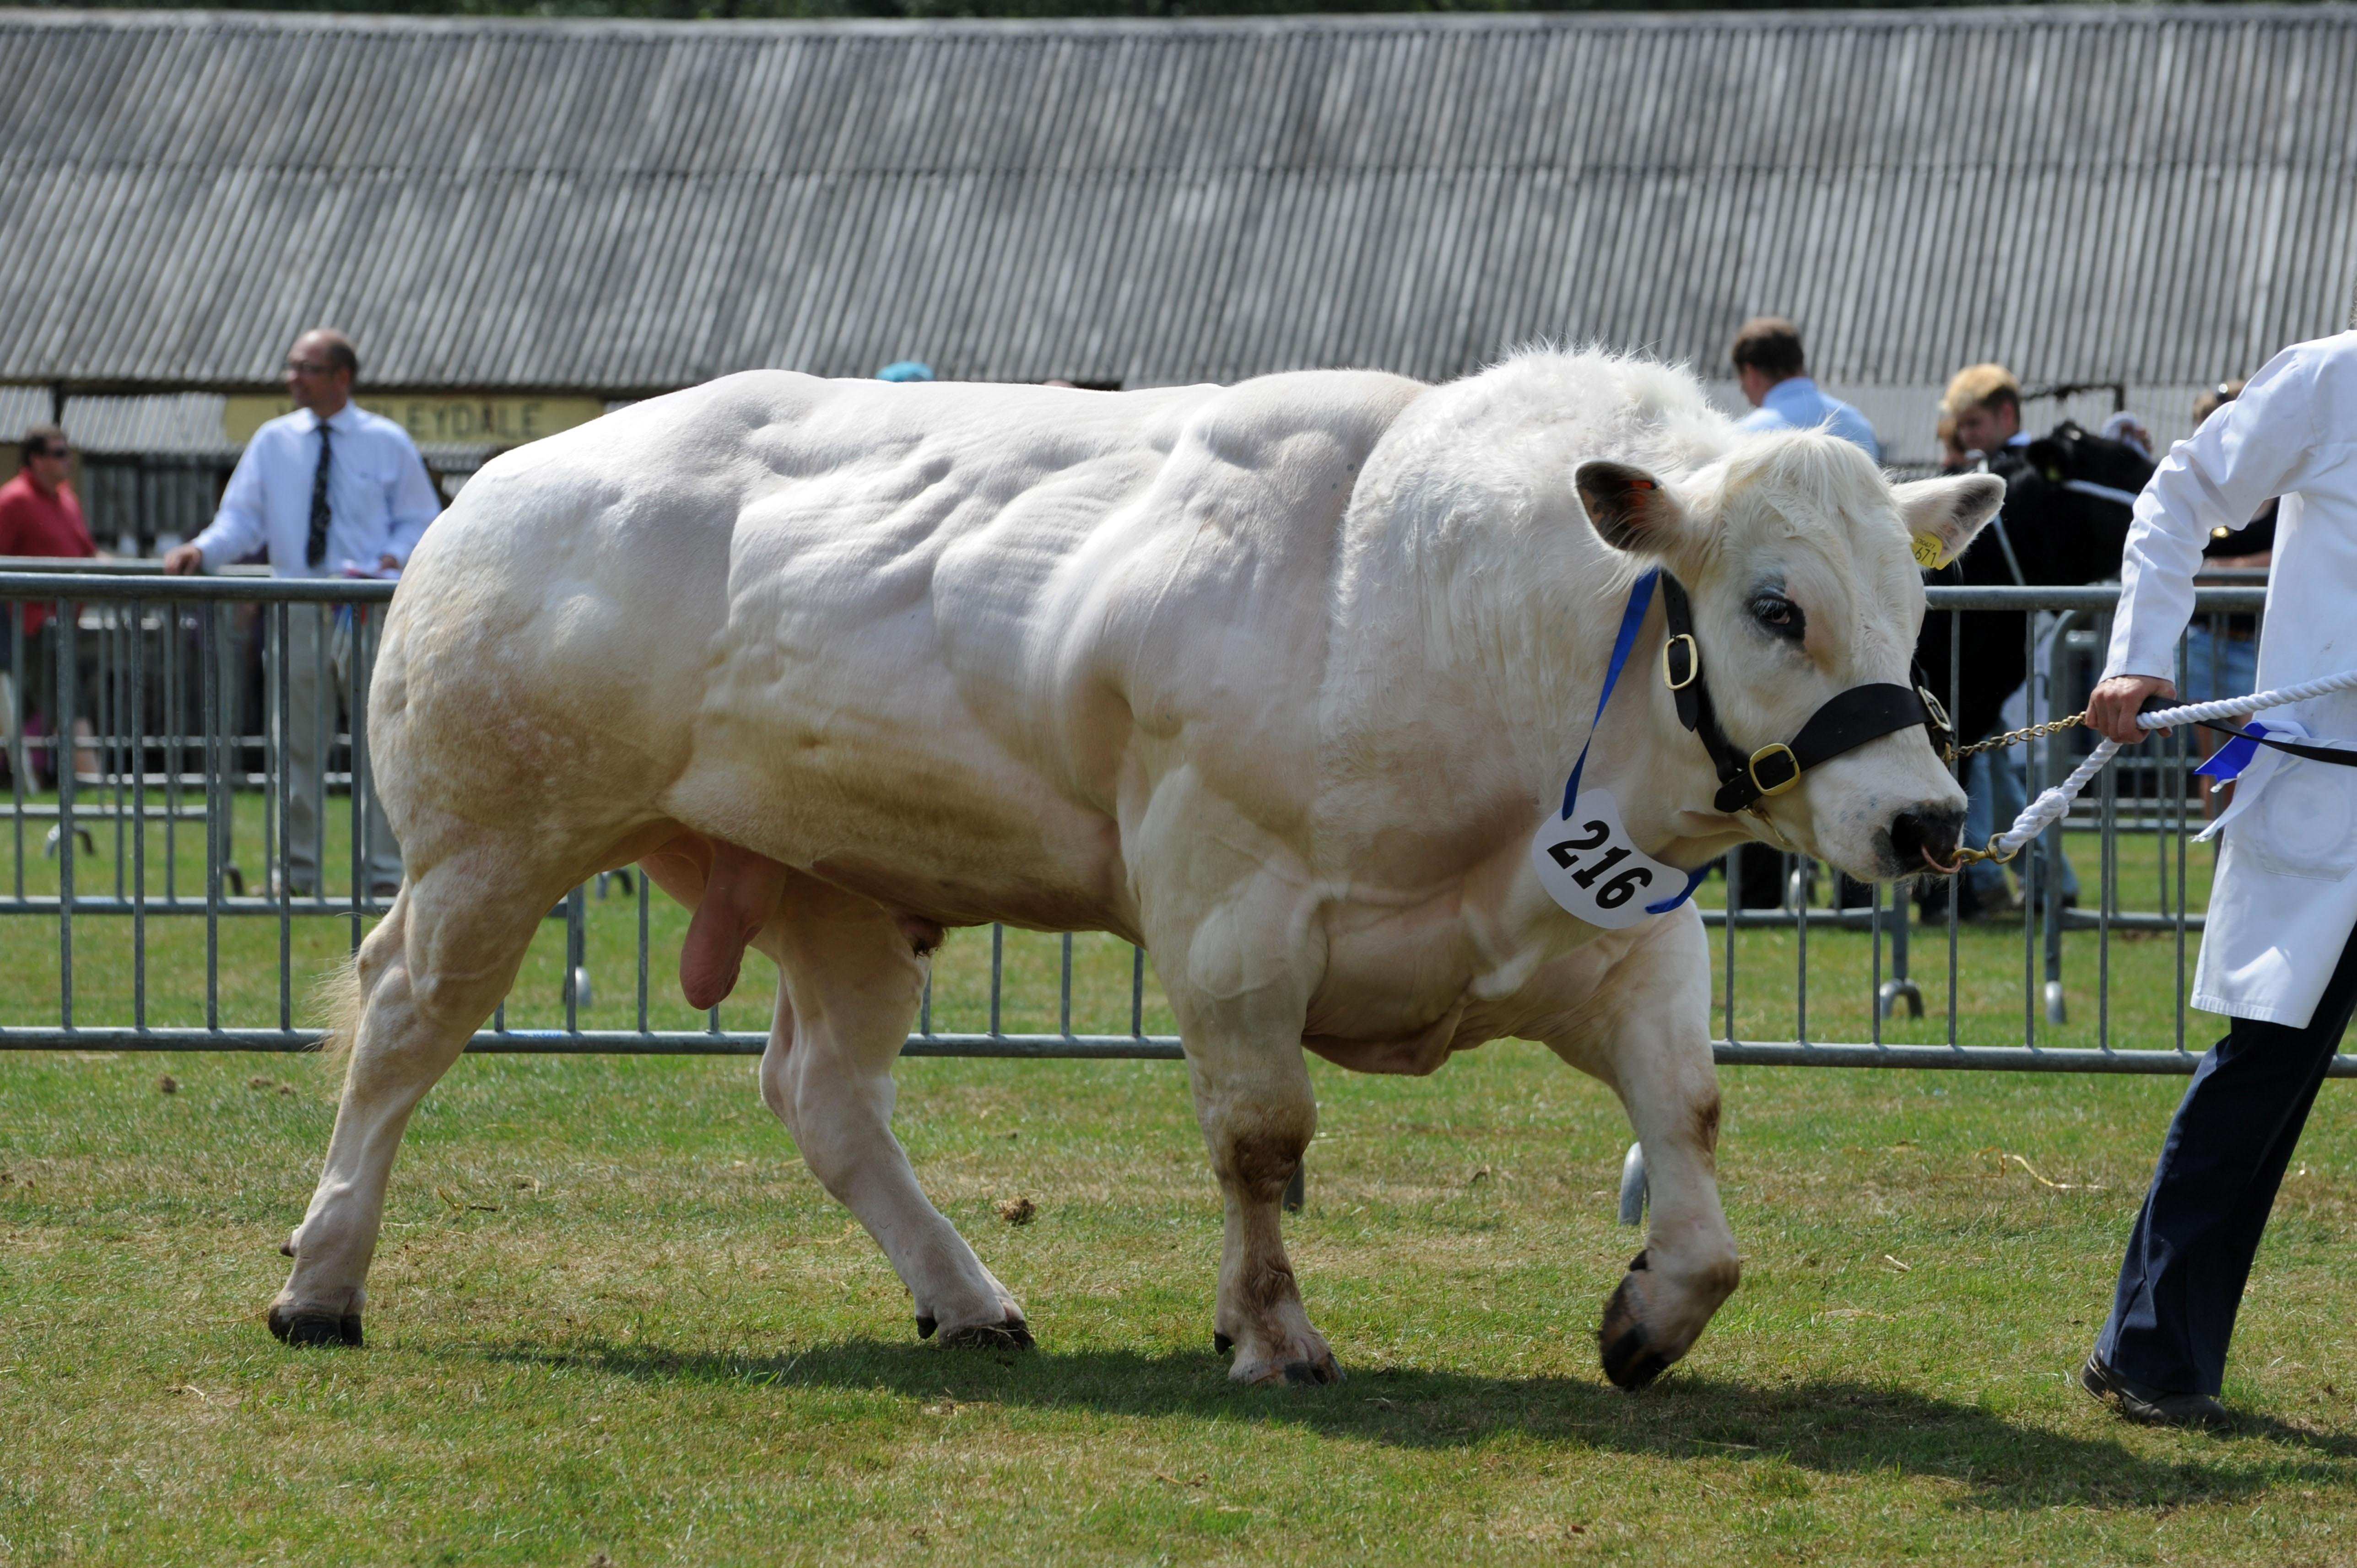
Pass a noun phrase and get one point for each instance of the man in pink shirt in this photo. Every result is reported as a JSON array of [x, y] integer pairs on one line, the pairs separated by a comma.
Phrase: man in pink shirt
[[39, 515]]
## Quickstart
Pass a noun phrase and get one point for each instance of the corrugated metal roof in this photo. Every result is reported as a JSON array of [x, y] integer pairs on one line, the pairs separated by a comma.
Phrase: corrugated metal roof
[[2155, 195]]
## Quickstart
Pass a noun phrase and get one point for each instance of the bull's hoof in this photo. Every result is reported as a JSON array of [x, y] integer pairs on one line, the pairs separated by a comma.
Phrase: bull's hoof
[[1307, 1363], [1632, 1363], [301, 1328], [1630, 1358], [926, 1324], [1012, 1334]]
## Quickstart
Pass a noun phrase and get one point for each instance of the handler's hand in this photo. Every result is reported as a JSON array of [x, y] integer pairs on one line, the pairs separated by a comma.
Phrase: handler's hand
[[2112, 711], [183, 559]]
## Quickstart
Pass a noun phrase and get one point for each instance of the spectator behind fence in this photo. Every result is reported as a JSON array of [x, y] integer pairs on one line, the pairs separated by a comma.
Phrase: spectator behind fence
[[2129, 432], [1774, 375], [329, 490], [1953, 458], [41, 515], [2067, 500]]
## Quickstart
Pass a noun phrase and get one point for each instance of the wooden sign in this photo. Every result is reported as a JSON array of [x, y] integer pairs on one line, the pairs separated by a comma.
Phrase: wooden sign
[[434, 419]]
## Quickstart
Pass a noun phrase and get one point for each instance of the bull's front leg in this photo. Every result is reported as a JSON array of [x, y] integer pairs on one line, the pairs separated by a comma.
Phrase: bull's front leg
[[1650, 1041]]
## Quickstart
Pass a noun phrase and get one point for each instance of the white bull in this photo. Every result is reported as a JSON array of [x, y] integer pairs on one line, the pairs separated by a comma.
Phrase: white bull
[[1275, 680]]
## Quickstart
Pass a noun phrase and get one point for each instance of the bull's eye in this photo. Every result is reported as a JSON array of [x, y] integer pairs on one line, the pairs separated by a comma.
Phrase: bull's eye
[[1779, 616]]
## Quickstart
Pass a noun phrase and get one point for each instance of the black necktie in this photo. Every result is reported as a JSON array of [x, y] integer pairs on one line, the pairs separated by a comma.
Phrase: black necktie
[[318, 551]]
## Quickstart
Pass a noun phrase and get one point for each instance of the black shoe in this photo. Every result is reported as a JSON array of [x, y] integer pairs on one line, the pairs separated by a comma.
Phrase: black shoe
[[2134, 1402]]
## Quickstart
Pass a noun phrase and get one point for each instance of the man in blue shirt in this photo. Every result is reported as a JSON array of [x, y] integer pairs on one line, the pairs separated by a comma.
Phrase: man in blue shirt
[[1774, 375], [329, 490]]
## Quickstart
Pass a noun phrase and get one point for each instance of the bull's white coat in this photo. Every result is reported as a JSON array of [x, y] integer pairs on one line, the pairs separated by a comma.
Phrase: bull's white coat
[[1276, 680]]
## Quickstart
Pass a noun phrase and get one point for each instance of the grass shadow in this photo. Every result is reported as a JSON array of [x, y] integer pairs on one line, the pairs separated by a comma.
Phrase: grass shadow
[[1833, 1427]]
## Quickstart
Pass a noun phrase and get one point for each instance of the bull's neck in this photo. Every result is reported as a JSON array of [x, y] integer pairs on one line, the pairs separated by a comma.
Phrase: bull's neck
[[1657, 770]]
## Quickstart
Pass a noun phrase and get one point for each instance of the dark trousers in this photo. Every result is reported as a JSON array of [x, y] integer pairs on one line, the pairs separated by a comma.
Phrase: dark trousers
[[2190, 1252]]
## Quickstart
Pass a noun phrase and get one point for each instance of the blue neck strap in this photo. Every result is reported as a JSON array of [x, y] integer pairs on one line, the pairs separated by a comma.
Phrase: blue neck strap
[[1641, 599]]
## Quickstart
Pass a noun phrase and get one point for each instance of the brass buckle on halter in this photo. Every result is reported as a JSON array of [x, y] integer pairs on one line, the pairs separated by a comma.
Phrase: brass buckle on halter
[[1931, 706], [1694, 663], [1768, 754]]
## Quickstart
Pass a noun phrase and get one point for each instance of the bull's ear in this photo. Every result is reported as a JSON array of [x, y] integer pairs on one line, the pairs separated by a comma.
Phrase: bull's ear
[[1942, 515], [1631, 510]]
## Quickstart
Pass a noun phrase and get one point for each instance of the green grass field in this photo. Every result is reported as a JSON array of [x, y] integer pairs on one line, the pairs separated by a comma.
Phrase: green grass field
[[614, 1319]]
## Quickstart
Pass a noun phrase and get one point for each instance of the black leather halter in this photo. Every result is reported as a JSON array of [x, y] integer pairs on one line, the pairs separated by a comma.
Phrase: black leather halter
[[1847, 721]]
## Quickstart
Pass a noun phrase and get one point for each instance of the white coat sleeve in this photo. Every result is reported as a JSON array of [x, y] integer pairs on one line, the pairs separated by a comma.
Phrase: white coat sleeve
[[2259, 445], [238, 529]]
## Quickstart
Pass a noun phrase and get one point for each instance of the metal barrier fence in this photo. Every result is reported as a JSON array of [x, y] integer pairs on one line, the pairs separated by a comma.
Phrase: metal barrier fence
[[184, 721]]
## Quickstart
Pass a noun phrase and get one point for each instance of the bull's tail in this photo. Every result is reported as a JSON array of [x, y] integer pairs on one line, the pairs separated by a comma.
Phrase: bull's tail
[[336, 1000]]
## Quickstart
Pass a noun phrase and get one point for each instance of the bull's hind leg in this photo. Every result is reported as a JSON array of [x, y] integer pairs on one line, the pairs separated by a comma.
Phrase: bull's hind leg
[[1254, 1101], [426, 978], [1647, 1033], [1239, 991], [851, 982]]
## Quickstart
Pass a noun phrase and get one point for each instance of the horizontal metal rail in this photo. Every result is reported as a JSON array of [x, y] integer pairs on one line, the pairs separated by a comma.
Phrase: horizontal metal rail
[[144, 587], [2160, 1062], [191, 762], [601, 1042], [1098, 1047]]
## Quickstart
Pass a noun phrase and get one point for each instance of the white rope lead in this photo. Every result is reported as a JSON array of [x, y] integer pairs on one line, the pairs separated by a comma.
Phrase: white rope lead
[[2050, 808]]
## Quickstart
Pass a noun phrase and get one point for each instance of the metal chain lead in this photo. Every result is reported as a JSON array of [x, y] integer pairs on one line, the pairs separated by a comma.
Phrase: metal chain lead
[[2015, 737], [2050, 807]]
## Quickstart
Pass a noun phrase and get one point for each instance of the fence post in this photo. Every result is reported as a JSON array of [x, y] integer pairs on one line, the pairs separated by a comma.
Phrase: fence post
[[1899, 986]]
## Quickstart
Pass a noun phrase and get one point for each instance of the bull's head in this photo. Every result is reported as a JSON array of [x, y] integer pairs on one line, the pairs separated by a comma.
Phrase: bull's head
[[1796, 554]]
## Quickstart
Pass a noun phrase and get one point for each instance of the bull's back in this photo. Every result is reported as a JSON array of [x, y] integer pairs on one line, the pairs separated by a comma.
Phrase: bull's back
[[896, 633]]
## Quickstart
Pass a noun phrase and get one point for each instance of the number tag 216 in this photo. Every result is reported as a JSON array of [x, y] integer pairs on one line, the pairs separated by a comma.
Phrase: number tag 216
[[1589, 864]]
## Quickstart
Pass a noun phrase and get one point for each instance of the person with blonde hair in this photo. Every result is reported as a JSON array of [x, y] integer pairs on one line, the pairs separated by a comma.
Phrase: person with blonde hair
[[1953, 458], [1985, 401], [2065, 516]]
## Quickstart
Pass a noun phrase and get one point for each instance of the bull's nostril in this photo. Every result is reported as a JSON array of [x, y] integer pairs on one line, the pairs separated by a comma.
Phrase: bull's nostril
[[1920, 837]]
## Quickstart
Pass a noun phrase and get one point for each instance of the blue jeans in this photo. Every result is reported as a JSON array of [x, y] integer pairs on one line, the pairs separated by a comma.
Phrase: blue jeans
[[2219, 667]]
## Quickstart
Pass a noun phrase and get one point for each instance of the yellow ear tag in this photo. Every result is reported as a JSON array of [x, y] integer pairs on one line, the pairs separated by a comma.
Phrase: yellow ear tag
[[1929, 552]]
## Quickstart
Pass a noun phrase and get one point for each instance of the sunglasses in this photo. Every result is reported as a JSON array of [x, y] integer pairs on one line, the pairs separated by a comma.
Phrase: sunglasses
[[51, 451], [309, 368]]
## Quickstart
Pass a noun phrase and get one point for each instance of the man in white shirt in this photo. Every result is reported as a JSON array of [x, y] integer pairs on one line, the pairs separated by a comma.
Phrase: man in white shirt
[[1774, 374], [2276, 954], [329, 490]]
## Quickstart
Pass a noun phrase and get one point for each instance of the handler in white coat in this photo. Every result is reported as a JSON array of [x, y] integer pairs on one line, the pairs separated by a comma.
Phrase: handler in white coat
[[2277, 955]]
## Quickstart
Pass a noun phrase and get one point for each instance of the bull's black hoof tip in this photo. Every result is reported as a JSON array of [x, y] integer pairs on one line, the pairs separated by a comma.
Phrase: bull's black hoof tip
[[1631, 1363], [1312, 1373], [303, 1329], [1221, 1343], [1012, 1334], [926, 1324]]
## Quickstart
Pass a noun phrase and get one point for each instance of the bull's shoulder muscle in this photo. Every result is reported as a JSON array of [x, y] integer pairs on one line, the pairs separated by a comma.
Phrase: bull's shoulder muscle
[[1210, 623], [1238, 530]]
